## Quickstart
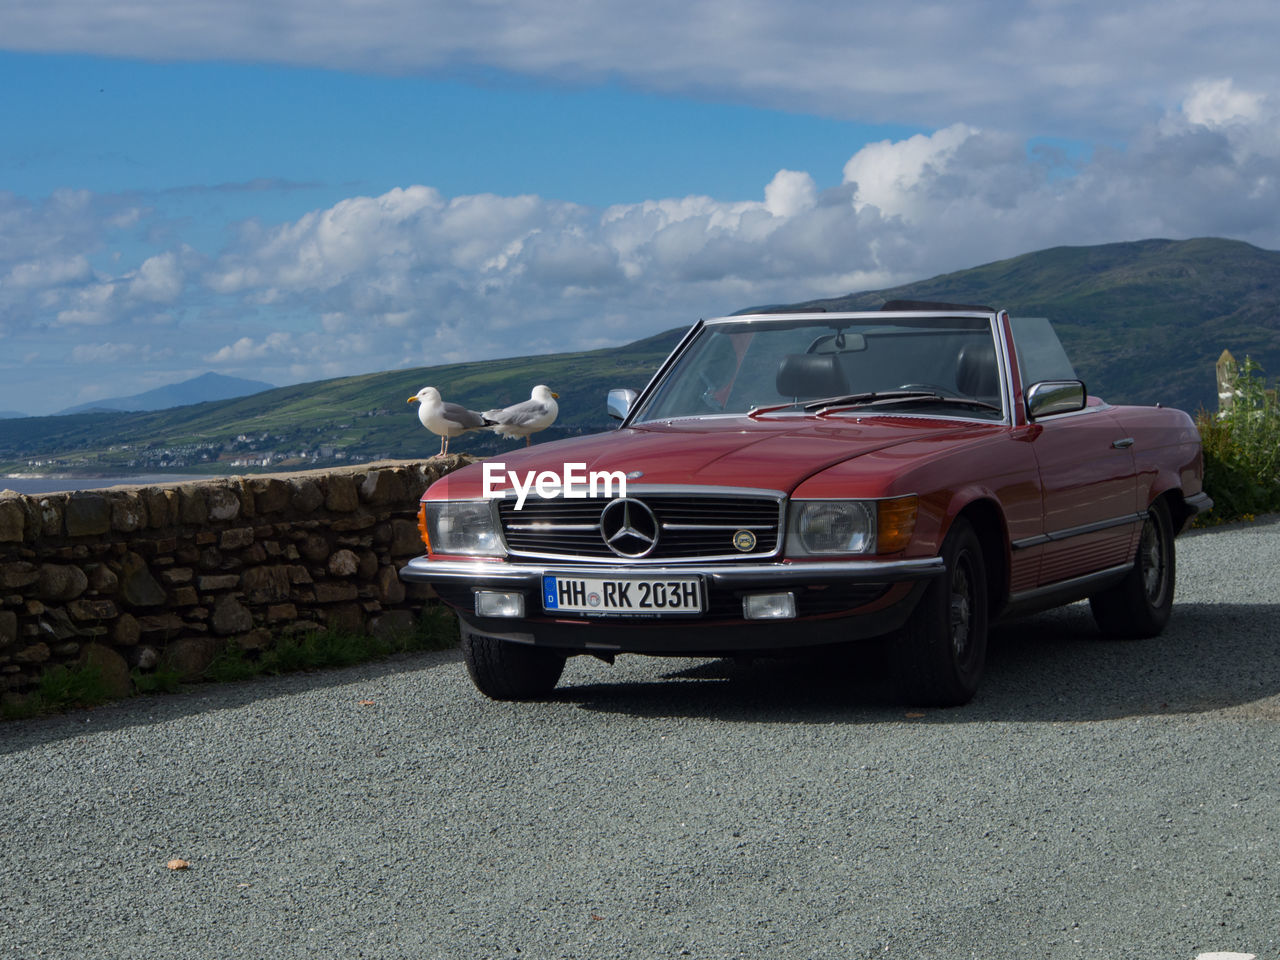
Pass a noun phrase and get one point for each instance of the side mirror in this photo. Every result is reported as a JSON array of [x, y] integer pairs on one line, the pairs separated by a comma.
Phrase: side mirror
[[1048, 397], [619, 403]]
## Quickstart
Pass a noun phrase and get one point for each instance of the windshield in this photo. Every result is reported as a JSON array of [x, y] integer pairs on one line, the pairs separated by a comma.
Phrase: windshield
[[915, 365]]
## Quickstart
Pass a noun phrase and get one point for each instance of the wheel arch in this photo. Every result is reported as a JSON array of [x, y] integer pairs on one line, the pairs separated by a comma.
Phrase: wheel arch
[[1180, 512], [988, 522]]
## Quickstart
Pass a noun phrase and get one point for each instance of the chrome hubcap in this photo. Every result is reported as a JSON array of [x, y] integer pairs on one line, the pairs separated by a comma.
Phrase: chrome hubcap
[[960, 610], [1151, 557]]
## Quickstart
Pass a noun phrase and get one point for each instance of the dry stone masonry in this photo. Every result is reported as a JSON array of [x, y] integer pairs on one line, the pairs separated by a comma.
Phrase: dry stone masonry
[[135, 577]]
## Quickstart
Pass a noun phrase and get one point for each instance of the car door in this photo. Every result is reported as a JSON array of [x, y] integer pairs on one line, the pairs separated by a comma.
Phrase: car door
[[1088, 488], [1088, 477]]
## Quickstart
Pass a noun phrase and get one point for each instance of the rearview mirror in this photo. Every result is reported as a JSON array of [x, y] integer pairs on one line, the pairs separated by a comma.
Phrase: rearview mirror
[[1048, 397]]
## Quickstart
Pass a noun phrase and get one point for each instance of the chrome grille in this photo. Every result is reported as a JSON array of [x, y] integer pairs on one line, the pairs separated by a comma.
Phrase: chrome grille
[[691, 527]]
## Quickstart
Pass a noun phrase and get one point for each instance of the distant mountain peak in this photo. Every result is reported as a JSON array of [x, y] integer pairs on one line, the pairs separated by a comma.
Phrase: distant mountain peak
[[201, 389]]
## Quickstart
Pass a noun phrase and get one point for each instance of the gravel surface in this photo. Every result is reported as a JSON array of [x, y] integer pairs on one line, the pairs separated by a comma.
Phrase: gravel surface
[[1097, 799]]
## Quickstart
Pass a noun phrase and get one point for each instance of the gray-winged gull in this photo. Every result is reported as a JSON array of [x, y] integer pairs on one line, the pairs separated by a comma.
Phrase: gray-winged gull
[[528, 417], [446, 419]]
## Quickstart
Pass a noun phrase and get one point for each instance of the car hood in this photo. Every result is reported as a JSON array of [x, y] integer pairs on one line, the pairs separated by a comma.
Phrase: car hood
[[774, 453]]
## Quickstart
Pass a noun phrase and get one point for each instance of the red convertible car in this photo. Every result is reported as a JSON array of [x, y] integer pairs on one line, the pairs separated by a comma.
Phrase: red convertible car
[[791, 480]]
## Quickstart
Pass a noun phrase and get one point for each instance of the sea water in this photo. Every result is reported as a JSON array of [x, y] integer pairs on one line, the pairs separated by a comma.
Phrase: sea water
[[39, 485]]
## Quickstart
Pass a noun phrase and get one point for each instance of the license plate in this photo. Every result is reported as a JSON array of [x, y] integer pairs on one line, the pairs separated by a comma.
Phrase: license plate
[[622, 596]]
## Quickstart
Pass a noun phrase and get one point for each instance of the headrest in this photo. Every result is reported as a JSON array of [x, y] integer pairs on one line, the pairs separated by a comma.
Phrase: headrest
[[807, 376], [976, 371]]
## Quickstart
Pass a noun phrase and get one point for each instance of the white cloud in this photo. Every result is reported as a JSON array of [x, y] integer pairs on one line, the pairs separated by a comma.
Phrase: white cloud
[[416, 277], [888, 175], [247, 349], [997, 65], [53, 271], [427, 278], [159, 279], [1215, 103], [790, 192]]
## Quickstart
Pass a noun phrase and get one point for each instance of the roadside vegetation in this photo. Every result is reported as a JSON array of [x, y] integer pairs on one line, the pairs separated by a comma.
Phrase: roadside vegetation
[[66, 688], [1242, 450]]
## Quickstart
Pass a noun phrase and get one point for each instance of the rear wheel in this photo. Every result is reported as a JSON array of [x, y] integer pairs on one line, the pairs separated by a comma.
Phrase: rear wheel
[[503, 670], [1139, 605], [942, 650]]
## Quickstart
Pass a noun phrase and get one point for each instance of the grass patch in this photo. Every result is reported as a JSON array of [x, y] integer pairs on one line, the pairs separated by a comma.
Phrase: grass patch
[[65, 688], [161, 680], [82, 686], [1242, 451], [60, 688], [436, 629]]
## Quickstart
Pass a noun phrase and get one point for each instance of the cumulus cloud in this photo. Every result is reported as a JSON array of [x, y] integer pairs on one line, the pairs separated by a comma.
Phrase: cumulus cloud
[[427, 277], [790, 192], [1214, 103], [996, 64], [247, 349], [889, 176], [159, 279], [415, 277]]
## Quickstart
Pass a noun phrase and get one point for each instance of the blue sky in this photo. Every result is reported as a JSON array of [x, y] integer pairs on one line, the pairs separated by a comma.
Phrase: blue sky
[[268, 190]]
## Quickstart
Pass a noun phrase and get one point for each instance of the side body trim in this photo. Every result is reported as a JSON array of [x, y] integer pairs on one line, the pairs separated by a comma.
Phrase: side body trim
[[1070, 532]]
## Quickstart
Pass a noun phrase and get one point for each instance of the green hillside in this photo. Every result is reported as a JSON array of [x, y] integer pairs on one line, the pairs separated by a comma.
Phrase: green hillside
[[1145, 322], [351, 418]]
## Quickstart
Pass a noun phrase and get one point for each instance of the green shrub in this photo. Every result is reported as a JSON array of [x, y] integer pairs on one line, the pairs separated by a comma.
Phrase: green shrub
[[162, 679], [80, 686], [1242, 450]]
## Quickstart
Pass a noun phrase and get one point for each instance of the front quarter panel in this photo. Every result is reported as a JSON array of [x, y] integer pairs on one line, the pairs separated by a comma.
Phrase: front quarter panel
[[947, 473]]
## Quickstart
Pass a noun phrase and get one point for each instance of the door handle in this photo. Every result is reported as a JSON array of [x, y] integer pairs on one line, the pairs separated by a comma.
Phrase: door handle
[[1124, 444]]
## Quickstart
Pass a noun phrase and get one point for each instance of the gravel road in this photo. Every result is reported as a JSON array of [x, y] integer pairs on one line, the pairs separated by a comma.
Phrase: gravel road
[[1097, 799]]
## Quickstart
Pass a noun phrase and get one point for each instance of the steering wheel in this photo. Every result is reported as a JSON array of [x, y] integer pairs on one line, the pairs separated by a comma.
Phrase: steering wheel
[[708, 395]]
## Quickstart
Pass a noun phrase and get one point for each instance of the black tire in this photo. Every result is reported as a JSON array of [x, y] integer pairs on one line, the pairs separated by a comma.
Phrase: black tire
[[1139, 605], [941, 652], [503, 670]]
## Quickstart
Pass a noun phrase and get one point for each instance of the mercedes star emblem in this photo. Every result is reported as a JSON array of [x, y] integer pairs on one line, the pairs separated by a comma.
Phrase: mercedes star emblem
[[629, 528]]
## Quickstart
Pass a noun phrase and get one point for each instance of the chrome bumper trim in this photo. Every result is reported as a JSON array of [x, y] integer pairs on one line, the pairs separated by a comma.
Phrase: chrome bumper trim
[[722, 575]]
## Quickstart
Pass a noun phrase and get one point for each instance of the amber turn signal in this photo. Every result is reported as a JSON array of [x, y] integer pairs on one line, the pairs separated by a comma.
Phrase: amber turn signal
[[422, 525], [895, 523]]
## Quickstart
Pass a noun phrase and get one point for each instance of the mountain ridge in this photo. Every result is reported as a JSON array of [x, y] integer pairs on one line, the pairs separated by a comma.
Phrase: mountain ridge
[[201, 389], [1144, 322]]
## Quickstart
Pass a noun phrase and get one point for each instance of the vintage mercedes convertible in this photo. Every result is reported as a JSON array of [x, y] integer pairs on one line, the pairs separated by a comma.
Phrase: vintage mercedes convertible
[[791, 480]]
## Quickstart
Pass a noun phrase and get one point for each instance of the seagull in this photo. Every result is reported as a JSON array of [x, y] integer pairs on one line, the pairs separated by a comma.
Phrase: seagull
[[446, 419], [530, 416]]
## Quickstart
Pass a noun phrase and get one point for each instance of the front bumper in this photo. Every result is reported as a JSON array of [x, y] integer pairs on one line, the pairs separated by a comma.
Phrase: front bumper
[[836, 601]]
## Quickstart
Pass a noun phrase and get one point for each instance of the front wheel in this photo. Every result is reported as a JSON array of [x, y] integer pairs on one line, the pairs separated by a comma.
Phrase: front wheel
[[1139, 605], [941, 652], [503, 670]]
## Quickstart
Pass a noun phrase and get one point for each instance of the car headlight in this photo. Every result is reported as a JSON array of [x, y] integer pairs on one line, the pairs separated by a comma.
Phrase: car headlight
[[464, 527], [820, 527]]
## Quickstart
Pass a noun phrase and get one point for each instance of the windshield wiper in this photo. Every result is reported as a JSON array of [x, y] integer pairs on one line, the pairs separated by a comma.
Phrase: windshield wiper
[[870, 396], [910, 396], [873, 398]]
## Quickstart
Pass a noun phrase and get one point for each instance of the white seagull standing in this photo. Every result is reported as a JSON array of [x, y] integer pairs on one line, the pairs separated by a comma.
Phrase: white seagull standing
[[446, 419], [528, 417]]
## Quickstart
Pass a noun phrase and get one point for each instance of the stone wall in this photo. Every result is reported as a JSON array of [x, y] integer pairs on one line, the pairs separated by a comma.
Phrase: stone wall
[[135, 577]]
